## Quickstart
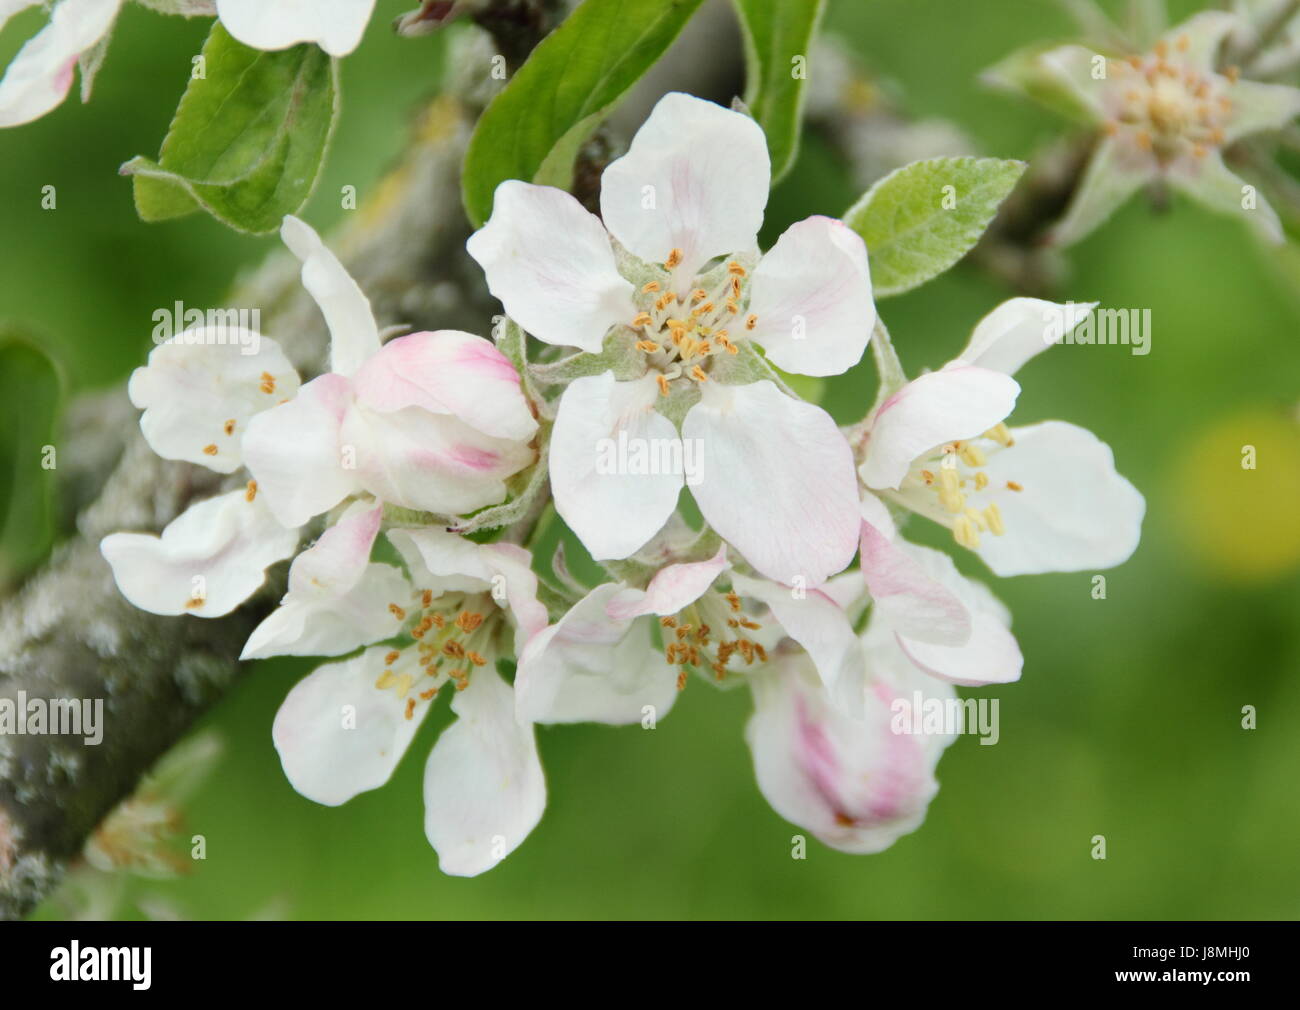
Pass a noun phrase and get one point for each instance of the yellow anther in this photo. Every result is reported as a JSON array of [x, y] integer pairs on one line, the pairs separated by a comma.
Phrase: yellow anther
[[250, 490], [650, 288], [403, 685], [751, 321], [735, 269], [1000, 433], [410, 708], [1014, 486], [477, 658], [698, 295], [976, 518], [641, 319], [972, 455], [267, 383], [210, 450], [391, 658], [702, 310], [648, 346], [229, 427], [668, 622], [674, 259], [993, 516], [397, 611], [981, 481], [966, 533], [385, 679], [697, 373], [664, 301], [663, 383]]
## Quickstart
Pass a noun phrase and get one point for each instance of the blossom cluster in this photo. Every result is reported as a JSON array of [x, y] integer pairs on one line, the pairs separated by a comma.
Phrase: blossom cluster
[[661, 323]]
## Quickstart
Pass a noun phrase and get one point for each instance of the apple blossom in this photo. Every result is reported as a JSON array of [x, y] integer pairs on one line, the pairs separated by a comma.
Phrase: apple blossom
[[335, 25], [681, 214], [345, 727], [1040, 498], [1167, 115]]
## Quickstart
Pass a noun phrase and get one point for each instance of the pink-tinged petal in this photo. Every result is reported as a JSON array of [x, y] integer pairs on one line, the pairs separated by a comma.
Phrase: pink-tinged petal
[[484, 790], [876, 512], [337, 600], [441, 561], [1019, 329], [857, 785], [335, 25], [433, 462], [957, 402], [602, 429], [448, 372], [777, 481], [1074, 512], [40, 76], [590, 668], [207, 561], [339, 735], [354, 335], [812, 296], [294, 454], [672, 588], [549, 262], [822, 628], [198, 394], [695, 179], [904, 593]]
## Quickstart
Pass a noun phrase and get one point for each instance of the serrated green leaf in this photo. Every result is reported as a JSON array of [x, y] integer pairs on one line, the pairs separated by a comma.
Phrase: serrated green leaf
[[921, 219], [778, 35], [532, 130], [30, 391], [248, 138]]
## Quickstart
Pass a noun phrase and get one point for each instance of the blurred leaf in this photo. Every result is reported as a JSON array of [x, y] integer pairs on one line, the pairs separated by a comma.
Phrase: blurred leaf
[[248, 138], [778, 35], [532, 130], [30, 388], [921, 219]]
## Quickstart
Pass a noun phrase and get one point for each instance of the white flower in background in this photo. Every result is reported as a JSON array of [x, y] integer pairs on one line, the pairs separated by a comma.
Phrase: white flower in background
[[40, 76], [429, 421], [855, 784], [335, 25], [598, 663], [1167, 116], [776, 474], [1041, 498], [345, 727]]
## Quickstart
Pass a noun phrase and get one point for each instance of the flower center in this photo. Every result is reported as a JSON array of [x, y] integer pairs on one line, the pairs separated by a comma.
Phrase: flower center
[[1168, 110], [680, 334], [710, 632], [950, 483], [450, 631]]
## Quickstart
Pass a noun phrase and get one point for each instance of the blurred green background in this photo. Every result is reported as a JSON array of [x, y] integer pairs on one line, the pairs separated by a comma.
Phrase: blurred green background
[[1127, 722]]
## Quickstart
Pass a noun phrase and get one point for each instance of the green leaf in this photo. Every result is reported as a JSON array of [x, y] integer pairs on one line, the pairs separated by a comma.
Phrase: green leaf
[[921, 219], [532, 130], [778, 35], [30, 392], [248, 138]]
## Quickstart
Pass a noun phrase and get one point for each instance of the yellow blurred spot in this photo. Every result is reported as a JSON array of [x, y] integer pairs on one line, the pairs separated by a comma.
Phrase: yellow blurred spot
[[1241, 523]]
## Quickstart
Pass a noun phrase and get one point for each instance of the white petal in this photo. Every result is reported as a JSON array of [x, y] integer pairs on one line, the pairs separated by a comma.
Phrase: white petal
[[40, 75], [989, 654], [338, 600], [434, 462], [1258, 108], [777, 481], [695, 178], [672, 588], [198, 395], [1201, 34], [549, 262], [208, 560], [1075, 513], [818, 624], [1020, 328], [602, 429], [590, 668], [1115, 172], [856, 785], [1073, 66], [354, 336], [908, 596], [484, 790], [338, 734], [1210, 182], [812, 296], [335, 25], [957, 402], [294, 454], [513, 576], [448, 372]]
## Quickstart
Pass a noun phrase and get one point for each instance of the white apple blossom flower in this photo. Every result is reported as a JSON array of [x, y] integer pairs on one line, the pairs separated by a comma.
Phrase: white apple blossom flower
[[855, 784], [691, 191], [335, 25], [598, 662], [1168, 115], [345, 727], [40, 76], [427, 421], [1041, 498]]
